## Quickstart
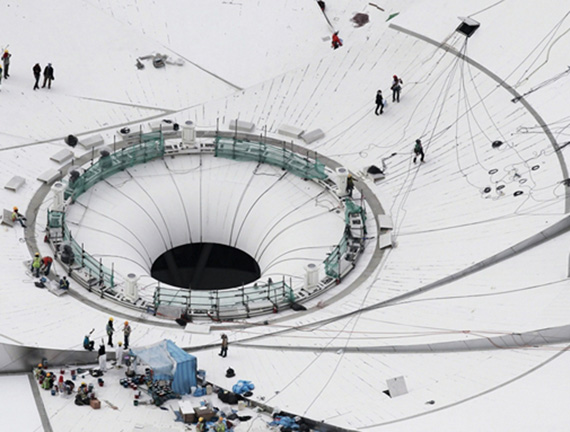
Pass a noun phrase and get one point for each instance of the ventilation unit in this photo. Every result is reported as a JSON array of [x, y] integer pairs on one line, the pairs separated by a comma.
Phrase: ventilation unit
[[467, 26]]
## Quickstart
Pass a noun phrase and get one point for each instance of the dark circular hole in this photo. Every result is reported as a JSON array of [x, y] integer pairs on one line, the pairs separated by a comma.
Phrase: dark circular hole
[[501, 187], [487, 189], [522, 181], [493, 171], [497, 144], [535, 167], [205, 266], [517, 193]]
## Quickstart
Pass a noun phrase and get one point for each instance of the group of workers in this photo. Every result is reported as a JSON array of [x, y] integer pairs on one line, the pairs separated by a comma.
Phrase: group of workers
[[47, 381], [42, 266], [89, 344], [220, 426], [110, 330], [396, 88]]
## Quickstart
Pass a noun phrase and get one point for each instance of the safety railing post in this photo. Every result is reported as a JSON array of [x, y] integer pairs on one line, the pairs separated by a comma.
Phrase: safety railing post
[[89, 279], [235, 140], [188, 302], [217, 305], [101, 273]]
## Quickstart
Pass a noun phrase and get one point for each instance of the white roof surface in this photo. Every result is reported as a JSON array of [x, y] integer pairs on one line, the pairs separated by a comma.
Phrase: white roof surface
[[270, 63]]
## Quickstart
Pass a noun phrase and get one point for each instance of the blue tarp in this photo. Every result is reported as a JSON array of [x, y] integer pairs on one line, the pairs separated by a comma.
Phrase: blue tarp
[[169, 362], [242, 387], [285, 422]]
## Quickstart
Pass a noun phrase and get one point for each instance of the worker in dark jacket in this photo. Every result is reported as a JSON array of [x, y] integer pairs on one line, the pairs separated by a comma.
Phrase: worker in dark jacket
[[396, 88], [48, 75], [418, 151], [379, 103], [224, 348], [37, 70], [6, 62], [110, 331]]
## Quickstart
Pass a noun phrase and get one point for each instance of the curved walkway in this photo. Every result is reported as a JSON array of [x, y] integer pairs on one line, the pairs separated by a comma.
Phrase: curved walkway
[[41, 194]]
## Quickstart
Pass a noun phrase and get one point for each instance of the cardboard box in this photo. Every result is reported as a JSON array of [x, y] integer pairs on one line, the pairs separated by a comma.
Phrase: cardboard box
[[205, 412], [95, 403], [187, 412]]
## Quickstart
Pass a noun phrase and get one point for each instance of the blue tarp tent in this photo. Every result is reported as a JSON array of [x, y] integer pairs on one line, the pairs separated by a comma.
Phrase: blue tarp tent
[[169, 362]]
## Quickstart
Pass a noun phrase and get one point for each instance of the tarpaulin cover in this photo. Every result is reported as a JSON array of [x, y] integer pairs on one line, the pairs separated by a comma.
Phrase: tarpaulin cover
[[242, 386], [169, 362]]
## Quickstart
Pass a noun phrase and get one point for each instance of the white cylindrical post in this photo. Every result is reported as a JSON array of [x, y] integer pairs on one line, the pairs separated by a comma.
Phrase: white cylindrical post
[[311, 276], [341, 179], [189, 133], [58, 190], [131, 288]]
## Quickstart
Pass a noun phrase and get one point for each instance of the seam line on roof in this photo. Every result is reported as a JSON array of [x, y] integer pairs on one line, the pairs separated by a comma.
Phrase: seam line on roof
[[39, 404]]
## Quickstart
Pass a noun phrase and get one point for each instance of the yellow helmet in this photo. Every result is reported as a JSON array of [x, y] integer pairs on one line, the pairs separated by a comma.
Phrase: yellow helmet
[[111, 319], [201, 419], [37, 254], [15, 208]]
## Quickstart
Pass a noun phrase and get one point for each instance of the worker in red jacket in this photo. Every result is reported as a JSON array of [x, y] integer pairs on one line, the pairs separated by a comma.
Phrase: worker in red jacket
[[46, 265], [336, 42]]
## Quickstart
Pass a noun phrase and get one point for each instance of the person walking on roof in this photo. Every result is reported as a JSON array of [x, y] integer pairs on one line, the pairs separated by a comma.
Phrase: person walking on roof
[[37, 70], [126, 333], [6, 62], [418, 151], [48, 75], [224, 348], [19, 217], [110, 331], [396, 88], [36, 264], [379, 103]]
